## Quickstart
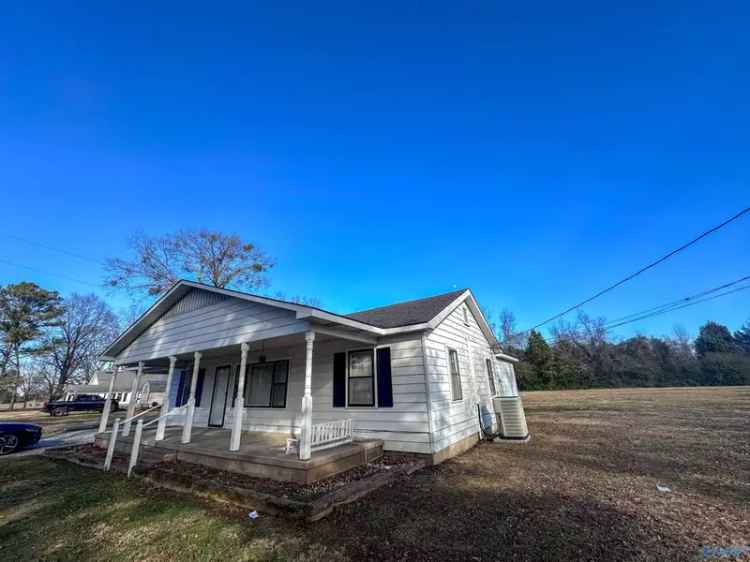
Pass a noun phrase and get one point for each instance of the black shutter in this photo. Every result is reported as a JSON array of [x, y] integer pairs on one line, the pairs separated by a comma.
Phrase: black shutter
[[178, 399], [199, 387], [339, 380], [385, 389]]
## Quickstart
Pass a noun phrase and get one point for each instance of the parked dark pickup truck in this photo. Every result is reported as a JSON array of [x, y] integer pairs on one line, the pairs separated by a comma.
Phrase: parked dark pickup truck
[[81, 403]]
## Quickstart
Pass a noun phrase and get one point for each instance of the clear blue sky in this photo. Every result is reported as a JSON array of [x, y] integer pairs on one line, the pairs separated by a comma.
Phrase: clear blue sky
[[391, 151]]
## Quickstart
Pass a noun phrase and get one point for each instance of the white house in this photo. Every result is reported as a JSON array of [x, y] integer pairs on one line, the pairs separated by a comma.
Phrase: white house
[[413, 375]]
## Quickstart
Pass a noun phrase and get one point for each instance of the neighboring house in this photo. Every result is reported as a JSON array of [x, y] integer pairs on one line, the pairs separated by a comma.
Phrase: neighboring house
[[151, 387], [413, 375]]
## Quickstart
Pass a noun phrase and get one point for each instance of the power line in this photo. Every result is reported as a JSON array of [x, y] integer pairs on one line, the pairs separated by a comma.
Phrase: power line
[[55, 249], [643, 269], [679, 301], [706, 299], [670, 307], [61, 275]]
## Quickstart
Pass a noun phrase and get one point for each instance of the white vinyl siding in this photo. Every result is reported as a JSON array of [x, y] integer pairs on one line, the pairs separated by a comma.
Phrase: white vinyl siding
[[452, 420], [223, 323], [403, 427]]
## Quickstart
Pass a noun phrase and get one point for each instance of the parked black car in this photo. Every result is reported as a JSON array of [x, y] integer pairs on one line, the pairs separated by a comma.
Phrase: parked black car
[[14, 436], [81, 403]]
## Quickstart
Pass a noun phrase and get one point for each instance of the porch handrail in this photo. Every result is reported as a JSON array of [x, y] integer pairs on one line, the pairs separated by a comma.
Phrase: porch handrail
[[172, 412], [135, 449], [130, 419]]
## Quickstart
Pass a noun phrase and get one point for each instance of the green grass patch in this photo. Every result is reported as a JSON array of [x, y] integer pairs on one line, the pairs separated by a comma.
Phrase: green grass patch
[[58, 511]]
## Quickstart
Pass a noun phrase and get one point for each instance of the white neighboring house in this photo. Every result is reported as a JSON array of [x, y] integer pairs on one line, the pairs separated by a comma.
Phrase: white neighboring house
[[414, 375], [151, 387]]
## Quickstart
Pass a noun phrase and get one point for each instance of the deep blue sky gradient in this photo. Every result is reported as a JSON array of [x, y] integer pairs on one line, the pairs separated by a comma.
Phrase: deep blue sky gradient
[[389, 151]]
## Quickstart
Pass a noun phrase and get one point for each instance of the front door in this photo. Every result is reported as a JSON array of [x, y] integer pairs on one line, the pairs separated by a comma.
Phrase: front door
[[219, 396]]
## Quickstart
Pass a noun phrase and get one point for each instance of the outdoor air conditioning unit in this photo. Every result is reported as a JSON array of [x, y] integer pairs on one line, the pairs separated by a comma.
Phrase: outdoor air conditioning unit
[[510, 417], [508, 407]]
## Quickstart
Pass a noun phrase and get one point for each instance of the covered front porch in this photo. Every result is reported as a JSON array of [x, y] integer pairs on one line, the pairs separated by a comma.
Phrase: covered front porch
[[261, 454]]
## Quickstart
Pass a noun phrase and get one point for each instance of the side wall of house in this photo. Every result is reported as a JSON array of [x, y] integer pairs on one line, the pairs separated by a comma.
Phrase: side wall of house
[[403, 427], [454, 420]]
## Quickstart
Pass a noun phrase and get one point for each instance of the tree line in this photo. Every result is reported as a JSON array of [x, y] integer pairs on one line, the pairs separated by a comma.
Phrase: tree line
[[581, 354], [47, 342]]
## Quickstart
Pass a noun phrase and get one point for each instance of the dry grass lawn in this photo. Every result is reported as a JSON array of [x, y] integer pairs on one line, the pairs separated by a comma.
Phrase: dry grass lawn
[[584, 488]]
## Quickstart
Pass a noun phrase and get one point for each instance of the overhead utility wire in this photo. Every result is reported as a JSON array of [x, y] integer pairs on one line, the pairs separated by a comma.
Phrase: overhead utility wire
[[55, 249], [693, 303], [679, 301], [675, 305], [643, 269], [62, 276]]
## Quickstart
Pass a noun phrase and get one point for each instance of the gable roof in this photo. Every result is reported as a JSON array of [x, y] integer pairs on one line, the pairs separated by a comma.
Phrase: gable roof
[[406, 316], [406, 313]]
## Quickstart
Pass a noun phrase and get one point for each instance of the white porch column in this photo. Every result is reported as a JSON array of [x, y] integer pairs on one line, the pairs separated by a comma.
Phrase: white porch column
[[162, 425], [108, 403], [188, 427], [239, 402], [306, 430], [133, 393]]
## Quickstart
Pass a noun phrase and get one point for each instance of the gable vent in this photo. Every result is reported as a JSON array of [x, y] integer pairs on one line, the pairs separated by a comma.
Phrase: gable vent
[[194, 300]]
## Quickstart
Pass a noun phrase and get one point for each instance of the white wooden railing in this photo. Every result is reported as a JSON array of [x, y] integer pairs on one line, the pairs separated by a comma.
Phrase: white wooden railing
[[136, 438], [325, 435]]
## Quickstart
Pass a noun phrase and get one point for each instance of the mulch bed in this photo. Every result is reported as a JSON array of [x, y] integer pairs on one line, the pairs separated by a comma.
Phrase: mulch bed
[[291, 490]]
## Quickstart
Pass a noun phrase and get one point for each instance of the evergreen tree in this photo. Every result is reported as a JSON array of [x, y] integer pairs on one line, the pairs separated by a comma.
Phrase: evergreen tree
[[714, 338], [742, 338], [26, 310], [540, 357]]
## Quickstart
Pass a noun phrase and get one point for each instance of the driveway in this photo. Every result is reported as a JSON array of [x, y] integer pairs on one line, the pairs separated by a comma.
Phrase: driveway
[[65, 439]]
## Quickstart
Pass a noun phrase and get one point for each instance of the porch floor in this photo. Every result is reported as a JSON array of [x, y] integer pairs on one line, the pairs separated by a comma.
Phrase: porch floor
[[261, 454]]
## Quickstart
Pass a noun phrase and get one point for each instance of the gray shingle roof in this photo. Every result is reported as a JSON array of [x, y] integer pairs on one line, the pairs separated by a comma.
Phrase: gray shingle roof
[[406, 313]]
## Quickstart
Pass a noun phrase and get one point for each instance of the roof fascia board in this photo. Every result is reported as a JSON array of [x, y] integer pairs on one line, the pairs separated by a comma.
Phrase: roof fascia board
[[505, 357], [104, 355], [448, 310]]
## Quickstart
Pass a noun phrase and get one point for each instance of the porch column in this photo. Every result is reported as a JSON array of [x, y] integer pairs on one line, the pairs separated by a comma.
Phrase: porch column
[[239, 402], [108, 402], [162, 425], [133, 393], [188, 427], [306, 430]]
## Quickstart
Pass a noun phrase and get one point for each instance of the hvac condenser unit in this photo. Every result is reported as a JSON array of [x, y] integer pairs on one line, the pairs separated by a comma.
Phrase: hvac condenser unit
[[508, 406]]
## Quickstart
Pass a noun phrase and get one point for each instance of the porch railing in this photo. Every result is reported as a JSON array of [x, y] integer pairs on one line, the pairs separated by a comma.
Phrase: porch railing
[[136, 438], [325, 435]]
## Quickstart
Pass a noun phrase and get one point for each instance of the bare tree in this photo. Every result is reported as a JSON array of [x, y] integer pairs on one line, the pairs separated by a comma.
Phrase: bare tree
[[214, 258], [509, 335], [72, 348]]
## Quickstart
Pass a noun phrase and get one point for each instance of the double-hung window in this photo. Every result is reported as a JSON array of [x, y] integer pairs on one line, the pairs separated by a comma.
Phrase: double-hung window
[[361, 378], [266, 384], [455, 375], [491, 376]]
